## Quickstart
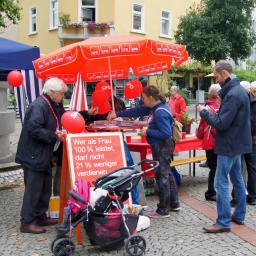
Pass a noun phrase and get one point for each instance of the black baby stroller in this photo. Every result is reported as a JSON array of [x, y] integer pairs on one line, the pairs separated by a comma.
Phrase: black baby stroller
[[106, 224]]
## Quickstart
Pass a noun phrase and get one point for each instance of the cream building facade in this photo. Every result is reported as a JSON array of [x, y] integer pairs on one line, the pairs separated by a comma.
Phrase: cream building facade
[[152, 19], [147, 18]]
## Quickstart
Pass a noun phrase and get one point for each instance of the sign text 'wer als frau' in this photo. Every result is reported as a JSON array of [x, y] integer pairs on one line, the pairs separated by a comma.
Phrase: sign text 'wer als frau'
[[92, 155]]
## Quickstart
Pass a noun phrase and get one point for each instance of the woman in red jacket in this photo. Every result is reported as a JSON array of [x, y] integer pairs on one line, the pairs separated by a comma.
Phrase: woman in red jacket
[[207, 133]]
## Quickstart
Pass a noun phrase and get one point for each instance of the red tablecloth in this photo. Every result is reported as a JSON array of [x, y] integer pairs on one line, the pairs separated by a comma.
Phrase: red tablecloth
[[186, 144], [112, 128], [144, 148]]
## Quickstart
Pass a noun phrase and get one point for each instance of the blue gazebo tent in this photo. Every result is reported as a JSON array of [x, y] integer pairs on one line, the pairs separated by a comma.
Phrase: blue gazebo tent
[[17, 56]]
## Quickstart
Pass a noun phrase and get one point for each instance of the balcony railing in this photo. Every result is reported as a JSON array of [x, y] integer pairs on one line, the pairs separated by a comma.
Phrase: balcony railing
[[74, 33]]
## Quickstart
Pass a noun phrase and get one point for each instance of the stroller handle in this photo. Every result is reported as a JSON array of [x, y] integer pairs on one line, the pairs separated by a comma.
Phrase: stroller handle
[[77, 197], [147, 161], [154, 164]]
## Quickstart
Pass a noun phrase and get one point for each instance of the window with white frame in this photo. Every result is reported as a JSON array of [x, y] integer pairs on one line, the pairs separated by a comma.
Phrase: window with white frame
[[166, 23], [138, 17], [88, 10], [33, 20], [54, 13]]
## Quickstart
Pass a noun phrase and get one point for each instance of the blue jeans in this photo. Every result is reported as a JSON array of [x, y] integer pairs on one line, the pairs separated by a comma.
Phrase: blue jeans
[[227, 165]]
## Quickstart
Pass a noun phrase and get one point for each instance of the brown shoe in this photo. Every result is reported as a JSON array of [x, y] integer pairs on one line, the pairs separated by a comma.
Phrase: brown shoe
[[233, 219], [215, 229], [34, 229], [46, 222]]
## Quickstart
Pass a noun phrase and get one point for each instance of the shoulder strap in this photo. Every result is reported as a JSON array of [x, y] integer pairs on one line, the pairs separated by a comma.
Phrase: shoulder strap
[[167, 112], [212, 133], [164, 110]]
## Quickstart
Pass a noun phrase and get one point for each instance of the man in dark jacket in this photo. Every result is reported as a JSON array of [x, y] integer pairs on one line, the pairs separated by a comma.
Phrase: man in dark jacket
[[233, 138], [250, 158], [35, 152]]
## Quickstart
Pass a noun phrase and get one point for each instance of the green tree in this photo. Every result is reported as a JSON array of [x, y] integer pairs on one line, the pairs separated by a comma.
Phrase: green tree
[[217, 29], [9, 13]]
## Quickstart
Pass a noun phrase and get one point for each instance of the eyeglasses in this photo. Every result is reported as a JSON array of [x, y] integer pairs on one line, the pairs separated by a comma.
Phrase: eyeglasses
[[62, 93]]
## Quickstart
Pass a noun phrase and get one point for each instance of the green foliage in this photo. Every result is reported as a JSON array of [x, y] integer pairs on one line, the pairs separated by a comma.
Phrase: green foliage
[[184, 96], [11, 101], [9, 13], [194, 67], [65, 102], [64, 18], [212, 30], [186, 119], [245, 75]]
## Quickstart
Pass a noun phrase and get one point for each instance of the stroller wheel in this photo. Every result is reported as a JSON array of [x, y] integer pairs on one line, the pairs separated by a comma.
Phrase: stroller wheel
[[135, 245], [63, 247], [55, 239]]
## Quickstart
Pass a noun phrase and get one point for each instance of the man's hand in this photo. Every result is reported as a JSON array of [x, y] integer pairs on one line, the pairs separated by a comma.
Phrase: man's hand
[[61, 136], [93, 111], [111, 116]]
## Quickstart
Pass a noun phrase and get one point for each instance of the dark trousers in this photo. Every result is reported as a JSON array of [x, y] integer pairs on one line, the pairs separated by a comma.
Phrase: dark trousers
[[166, 187], [212, 163], [38, 186], [250, 160]]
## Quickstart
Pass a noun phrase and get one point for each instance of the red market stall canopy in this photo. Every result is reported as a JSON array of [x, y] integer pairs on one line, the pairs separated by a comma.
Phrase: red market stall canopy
[[109, 58]]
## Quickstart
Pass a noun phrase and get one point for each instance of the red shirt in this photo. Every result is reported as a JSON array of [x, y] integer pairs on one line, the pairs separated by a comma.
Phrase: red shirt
[[178, 106]]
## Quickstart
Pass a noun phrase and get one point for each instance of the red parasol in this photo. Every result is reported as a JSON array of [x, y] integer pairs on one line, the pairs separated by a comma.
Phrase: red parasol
[[109, 58]]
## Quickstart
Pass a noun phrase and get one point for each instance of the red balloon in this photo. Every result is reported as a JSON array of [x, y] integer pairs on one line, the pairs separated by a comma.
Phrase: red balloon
[[132, 89], [93, 104], [104, 86], [73, 122], [100, 97], [15, 78], [103, 109]]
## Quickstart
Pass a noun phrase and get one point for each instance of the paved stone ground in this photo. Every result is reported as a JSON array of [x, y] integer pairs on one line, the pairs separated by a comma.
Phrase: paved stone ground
[[179, 235]]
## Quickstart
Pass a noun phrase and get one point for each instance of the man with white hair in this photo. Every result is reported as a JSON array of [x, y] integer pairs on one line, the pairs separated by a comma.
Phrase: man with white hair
[[38, 137], [35, 152], [176, 103]]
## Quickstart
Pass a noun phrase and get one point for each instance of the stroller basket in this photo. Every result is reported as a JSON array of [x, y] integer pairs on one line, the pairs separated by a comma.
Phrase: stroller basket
[[108, 232]]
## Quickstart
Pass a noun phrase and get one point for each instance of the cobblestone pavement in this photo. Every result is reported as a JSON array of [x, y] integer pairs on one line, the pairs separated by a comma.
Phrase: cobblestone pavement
[[179, 235]]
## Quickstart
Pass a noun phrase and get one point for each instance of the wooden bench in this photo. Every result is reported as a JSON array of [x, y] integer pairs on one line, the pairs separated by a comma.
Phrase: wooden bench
[[195, 159], [190, 160]]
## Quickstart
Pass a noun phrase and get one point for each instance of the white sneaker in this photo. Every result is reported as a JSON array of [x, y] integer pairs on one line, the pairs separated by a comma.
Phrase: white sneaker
[[175, 209]]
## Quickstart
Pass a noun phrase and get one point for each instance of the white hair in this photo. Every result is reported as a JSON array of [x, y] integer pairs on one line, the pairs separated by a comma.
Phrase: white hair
[[53, 84], [253, 84], [214, 88], [175, 88], [246, 85]]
